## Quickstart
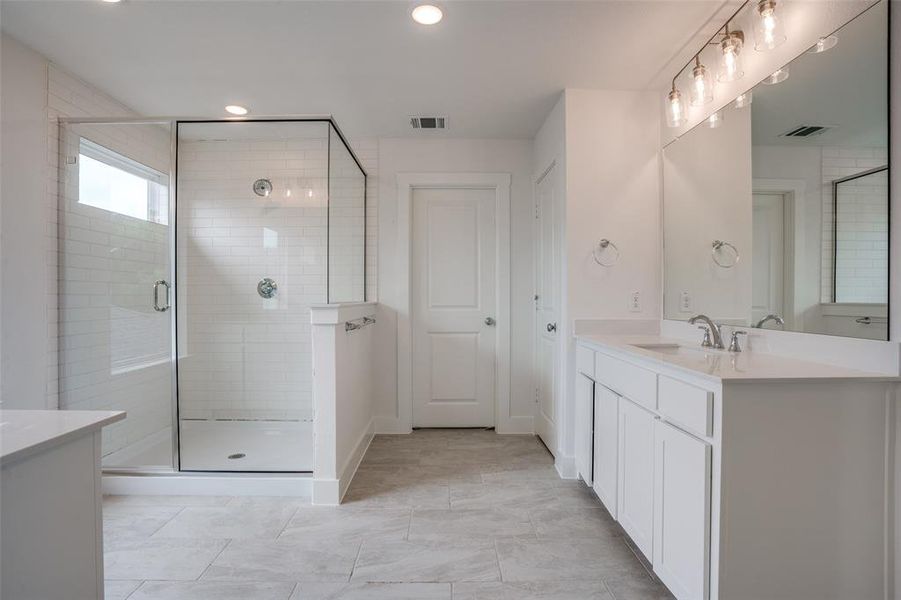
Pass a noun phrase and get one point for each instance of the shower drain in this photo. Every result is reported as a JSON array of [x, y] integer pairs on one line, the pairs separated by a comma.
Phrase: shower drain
[[236, 455]]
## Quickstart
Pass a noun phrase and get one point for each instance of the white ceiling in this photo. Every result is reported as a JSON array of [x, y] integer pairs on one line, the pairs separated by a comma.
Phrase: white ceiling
[[494, 68], [845, 88]]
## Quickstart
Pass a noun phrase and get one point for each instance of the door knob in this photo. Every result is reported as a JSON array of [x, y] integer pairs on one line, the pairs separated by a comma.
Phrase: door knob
[[551, 327], [490, 322]]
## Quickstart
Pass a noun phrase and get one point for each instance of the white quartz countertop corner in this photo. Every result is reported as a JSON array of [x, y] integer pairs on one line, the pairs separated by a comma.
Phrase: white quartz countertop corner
[[722, 365], [27, 432]]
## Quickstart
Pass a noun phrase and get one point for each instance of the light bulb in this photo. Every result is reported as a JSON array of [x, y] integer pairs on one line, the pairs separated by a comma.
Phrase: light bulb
[[768, 26], [778, 76], [427, 14], [730, 63], [310, 193], [823, 44], [715, 120], [743, 100], [675, 110], [701, 85], [288, 193], [236, 109]]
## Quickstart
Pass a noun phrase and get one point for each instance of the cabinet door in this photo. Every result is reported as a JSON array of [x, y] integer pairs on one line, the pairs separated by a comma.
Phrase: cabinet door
[[635, 489], [682, 512], [606, 440], [584, 422]]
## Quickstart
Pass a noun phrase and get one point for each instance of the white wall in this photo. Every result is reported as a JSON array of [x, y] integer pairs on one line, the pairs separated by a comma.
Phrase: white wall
[[407, 155], [25, 268]]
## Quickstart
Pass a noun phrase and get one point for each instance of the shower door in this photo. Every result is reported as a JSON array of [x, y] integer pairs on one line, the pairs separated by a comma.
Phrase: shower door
[[252, 246], [114, 330]]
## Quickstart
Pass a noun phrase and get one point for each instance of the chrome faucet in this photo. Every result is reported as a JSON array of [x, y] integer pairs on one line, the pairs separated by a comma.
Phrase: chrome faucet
[[713, 328], [771, 317]]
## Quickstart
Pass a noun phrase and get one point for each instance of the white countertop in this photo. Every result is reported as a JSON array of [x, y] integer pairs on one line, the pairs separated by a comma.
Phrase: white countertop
[[721, 365], [27, 432]]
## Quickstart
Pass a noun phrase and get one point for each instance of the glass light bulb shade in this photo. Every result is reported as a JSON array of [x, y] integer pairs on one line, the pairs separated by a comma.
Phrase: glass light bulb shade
[[768, 30], [823, 44], [730, 60], [715, 120], [743, 100], [778, 76], [701, 86], [675, 109]]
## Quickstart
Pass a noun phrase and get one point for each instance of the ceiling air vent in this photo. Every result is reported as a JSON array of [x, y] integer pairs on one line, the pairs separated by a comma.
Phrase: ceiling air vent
[[428, 122], [805, 131]]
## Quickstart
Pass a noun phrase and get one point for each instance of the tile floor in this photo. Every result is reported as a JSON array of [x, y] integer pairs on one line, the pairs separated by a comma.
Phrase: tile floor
[[436, 515]]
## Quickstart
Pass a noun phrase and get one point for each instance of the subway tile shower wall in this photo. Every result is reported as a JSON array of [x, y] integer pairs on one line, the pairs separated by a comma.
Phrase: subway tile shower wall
[[864, 249], [241, 355]]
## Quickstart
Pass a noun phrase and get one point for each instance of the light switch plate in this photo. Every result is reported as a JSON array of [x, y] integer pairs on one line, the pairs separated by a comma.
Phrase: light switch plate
[[685, 302], [635, 301]]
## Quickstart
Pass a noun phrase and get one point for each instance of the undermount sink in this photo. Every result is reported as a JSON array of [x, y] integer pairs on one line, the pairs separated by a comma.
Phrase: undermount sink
[[669, 348]]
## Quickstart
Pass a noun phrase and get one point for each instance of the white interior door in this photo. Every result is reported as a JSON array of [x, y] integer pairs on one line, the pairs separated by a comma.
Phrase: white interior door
[[767, 262], [454, 307], [547, 307]]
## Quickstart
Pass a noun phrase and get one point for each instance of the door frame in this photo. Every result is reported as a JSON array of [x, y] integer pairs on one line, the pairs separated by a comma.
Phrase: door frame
[[792, 191], [407, 183]]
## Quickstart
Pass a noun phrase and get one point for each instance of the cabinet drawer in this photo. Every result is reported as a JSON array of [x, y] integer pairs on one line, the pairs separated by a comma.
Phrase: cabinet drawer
[[686, 405], [635, 383], [585, 361]]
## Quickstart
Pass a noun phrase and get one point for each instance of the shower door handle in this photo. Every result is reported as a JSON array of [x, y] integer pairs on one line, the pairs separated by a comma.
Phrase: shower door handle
[[156, 296]]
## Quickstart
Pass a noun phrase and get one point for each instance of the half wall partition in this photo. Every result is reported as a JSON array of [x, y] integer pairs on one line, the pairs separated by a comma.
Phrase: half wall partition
[[190, 253]]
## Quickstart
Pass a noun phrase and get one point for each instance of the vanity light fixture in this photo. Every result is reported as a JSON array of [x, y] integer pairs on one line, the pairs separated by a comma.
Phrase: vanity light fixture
[[236, 110], [823, 44], [427, 14], [768, 31], [778, 76], [730, 61], [675, 109], [744, 100], [701, 84]]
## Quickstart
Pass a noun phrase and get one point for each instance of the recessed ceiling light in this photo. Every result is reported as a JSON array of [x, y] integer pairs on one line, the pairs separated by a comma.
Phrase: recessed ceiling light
[[427, 14], [112, 1], [236, 109]]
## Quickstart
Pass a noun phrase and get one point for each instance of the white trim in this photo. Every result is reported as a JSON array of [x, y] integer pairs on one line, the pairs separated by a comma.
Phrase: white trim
[[406, 183], [792, 191], [349, 469], [238, 484]]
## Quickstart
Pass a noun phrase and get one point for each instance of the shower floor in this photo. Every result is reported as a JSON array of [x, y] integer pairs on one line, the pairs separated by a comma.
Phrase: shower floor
[[266, 445]]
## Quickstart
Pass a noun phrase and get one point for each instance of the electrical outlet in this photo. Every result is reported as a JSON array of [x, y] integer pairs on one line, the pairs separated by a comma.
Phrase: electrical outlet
[[635, 301], [685, 302]]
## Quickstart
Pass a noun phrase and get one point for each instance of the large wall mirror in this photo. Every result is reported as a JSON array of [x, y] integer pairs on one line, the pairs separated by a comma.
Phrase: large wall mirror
[[776, 211]]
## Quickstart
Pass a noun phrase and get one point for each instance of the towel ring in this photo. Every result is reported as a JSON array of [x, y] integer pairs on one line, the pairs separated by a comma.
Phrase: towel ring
[[718, 246], [599, 251]]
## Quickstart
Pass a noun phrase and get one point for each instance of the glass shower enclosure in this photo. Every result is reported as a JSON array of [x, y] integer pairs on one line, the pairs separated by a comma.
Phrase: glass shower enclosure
[[190, 253]]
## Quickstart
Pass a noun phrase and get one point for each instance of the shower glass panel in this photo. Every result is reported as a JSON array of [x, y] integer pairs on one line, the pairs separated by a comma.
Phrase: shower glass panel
[[346, 224], [252, 247], [115, 326]]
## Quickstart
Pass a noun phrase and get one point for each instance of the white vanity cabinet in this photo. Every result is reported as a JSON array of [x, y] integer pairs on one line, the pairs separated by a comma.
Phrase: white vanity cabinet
[[738, 477], [681, 555], [606, 447], [635, 483]]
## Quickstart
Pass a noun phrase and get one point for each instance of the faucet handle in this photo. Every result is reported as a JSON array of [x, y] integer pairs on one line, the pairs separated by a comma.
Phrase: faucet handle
[[705, 343], [734, 346]]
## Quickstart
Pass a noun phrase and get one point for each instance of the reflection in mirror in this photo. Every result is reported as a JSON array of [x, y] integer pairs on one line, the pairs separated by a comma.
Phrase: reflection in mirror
[[778, 217]]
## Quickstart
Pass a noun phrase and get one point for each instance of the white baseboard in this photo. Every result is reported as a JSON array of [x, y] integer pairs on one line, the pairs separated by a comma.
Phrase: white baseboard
[[353, 461], [566, 466], [201, 484]]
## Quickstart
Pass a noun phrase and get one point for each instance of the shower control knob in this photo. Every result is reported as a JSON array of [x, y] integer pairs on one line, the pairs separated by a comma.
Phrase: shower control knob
[[267, 287]]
